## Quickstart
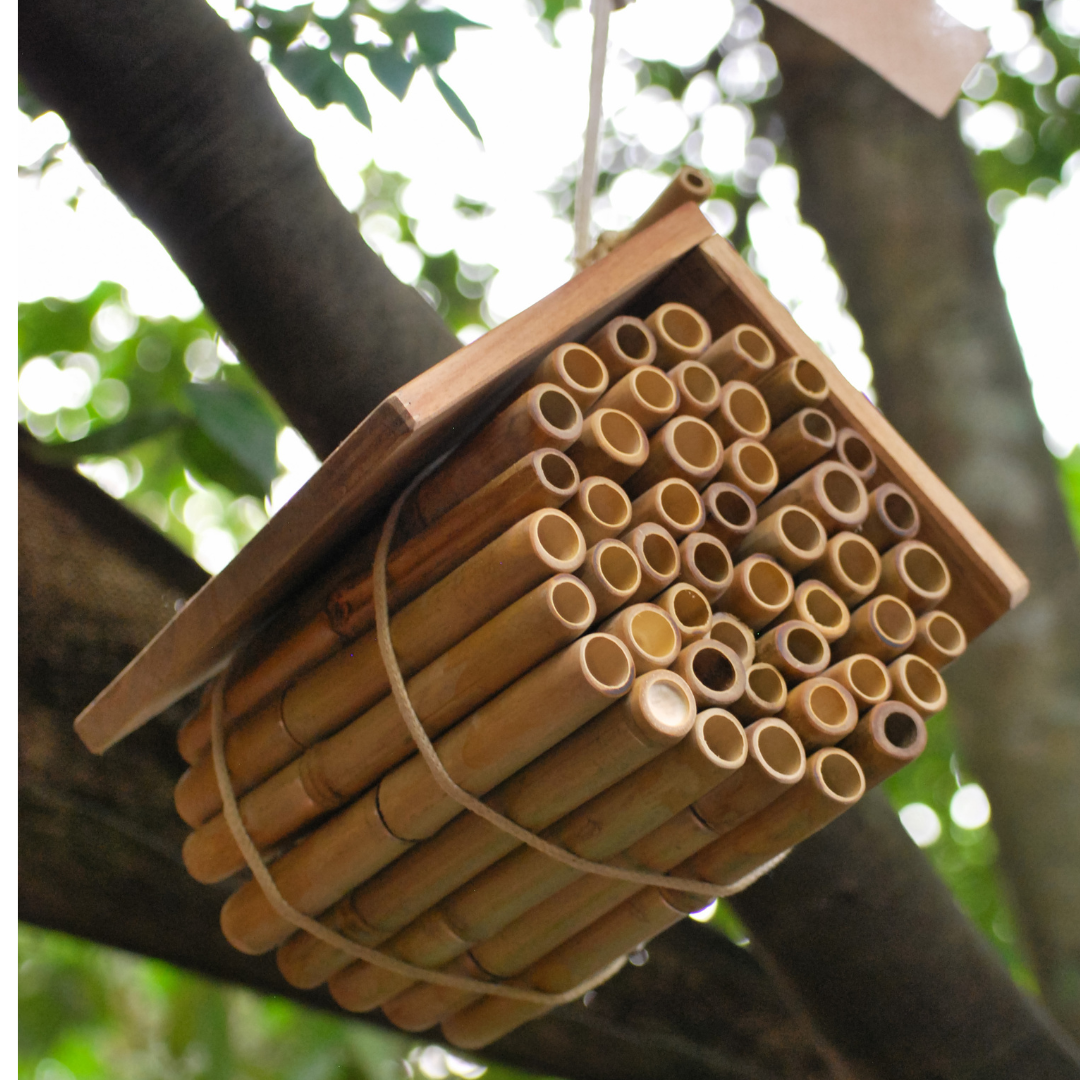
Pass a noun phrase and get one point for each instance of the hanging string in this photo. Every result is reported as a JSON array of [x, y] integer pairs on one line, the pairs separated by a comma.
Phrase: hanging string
[[586, 186]]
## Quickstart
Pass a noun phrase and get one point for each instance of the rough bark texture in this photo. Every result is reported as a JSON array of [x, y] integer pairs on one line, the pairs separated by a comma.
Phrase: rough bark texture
[[892, 192], [162, 97]]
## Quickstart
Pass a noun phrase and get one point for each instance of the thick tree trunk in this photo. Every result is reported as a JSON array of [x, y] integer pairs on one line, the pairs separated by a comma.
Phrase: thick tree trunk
[[892, 192], [162, 98]]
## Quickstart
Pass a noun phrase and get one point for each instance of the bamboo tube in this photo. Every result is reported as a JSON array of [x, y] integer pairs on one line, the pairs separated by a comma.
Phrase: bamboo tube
[[748, 465], [915, 573], [865, 678], [601, 509], [713, 671], [883, 627], [353, 679], [820, 711], [680, 332], [624, 343], [760, 590], [791, 535], [529, 717], [577, 370], [657, 555], [689, 608], [800, 441], [685, 447], [765, 694], [893, 516], [612, 574], [744, 352], [830, 491], [817, 604], [540, 480], [340, 767], [735, 634], [649, 632], [918, 684], [612, 444], [730, 514], [939, 639], [741, 413], [797, 649], [688, 185], [854, 451], [672, 503], [646, 394], [851, 567], [699, 389], [706, 565], [889, 736], [792, 385]]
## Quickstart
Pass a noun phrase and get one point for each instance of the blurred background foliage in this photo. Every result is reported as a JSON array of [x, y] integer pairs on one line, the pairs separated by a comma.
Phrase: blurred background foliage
[[163, 415]]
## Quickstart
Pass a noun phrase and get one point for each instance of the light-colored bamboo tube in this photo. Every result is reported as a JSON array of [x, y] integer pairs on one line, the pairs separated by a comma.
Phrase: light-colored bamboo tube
[[646, 394], [612, 574], [830, 491], [680, 332], [765, 694], [741, 413], [883, 627], [731, 631], [814, 602], [578, 370], [797, 649], [792, 385], [657, 555], [851, 567], [528, 718], [540, 480], [672, 503], [706, 565], [854, 451], [713, 671], [939, 639], [348, 762], [730, 514], [915, 573], [684, 447], [744, 352], [791, 535], [624, 343], [821, 711], [760, 590], [688, 185], [800, 441], [918, 684], [649, 632], [325, 698], [612, 444], [600, 508], [893, 516], [886, 739], [748, 465], [864, 677], [690, 609], [699, 389]]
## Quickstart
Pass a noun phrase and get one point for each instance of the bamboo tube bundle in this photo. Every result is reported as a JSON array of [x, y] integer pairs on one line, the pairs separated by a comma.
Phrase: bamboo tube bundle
[[685, 447], [760, 590], [850, 566], [883, 627], [706, 565], [646, 394], [650, 633], [735, 634], [741, 413], [730, 514], [790, 535], [832, 492], [600, 509], [578, 370], [817, 604], [854, 451], [939, 639], [792, 385], [864, 677], [918, 684], [680, 332], [612, 444], [612, 574], [623, 344], [672, 503], [766, 693], [893, 516], [820, 711], [689, 609], [915, 573], [798, 650], [886, 739], [800, 441], [713, 672], [744, 352], [699, 389], [748, 465], [658, 557]]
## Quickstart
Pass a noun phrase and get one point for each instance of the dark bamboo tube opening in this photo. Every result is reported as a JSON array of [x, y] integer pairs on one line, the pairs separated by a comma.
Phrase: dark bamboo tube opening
[[868, 677], [900, 730], [633, 342], [945, 632], [660, 554], [607, 661], [691, 609], [860, 456], [654, 388], [619, 568], [714, 670], [681, 503], [682, 328], [768, 584], [924, 681], [823, 609], [754, 343], [818, 426], [765, 681], [757, 463], [729, 633], [584, 368], [842, 776], [899, 511], [653, 634], [748, 411], [696, 443], [712, 561], [571, 602], [559, 409], [894, 620], [609, 503], [780, 750], [724, 736], [806, 646], [926, 569], [857, 561], [733, 507], [621, 432], [559, 537], [700, 384], [807, 376], [828, 706], [801, 529], [558, 471], [841, 491]]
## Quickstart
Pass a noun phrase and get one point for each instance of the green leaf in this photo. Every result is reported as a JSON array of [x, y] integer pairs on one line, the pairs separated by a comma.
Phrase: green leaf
[[316, 75], [389, 67], [457, 106], [435, 31], [134, 428]]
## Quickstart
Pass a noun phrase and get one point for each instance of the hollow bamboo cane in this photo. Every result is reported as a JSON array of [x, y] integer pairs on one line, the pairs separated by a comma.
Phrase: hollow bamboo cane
[[830, 491], [600, 508], [797, 649], [674, 504], [612, 574], [649, 632], [713, 671], [731, 631], [577, 370], [814, 602], [915, 573], [706, 565], [689, 608], [742, 353], [353, 679], [699, 389], [918, 684], [821, 712], [657, 555], [893, 516], [741, 413], [886, 739], [791, 535], [685, 447], [624, 343], [612, 444], [760, 590], [646, 394], [345, 764], [851, 567], [864, 677], [854, 451], [528, 718], [748, 465], [765, 694], [680, 332], [792, 385], [688, 185], [883, 627], [730, 514], [800, 441], [939, 639]]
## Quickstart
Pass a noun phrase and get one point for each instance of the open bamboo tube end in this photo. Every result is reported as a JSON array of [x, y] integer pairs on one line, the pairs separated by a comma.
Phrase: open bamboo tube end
[[612, 574], [650, 634], [821, 712], [851, 567], [681, 334], [760, 590], [689, 608], [612, 444], [699, 389], [893, 517], [646, 394], [765, 695], [662, 706], [916, 573], [830, 491], [854, 451], [800, 441], [741, 413], [791, 535], [792, 385], [578, 370], [918, 684], [600, 508], [706, 564], [713, 671], [939, 639], [672, 503], [731, 631], [624, 343], [883, 627], [886, 739], [730, 514], [865, 677], [814, 602], [744, 352], [556, 473], [748, 465], [685, 447], [658, 556], [797, 649]]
